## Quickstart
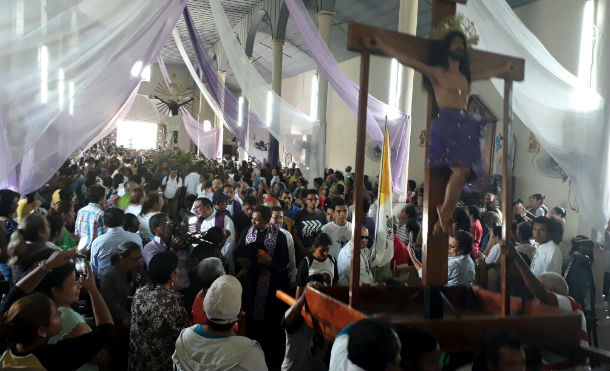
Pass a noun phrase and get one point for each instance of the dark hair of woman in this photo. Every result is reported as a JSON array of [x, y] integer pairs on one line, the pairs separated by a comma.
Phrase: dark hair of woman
[[56, 224], [151, 201], [6, 201], [460, 217], [23, 319], [55, 279], [474, 212], [559, 211], [465, 241], [66, 194], [29, 230], [62, 207]]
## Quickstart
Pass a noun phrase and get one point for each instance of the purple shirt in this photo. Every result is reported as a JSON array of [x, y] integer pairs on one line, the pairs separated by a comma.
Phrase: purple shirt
[[152, 248]]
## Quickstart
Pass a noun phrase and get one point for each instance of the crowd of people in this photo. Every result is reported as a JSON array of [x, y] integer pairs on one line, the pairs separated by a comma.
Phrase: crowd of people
[[180, 263]]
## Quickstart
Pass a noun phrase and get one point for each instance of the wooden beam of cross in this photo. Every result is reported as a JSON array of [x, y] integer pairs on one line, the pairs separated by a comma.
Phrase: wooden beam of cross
[[435, 252]]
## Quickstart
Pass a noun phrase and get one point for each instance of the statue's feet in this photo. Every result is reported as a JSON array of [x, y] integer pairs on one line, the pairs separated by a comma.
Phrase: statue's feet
[[442, 224]]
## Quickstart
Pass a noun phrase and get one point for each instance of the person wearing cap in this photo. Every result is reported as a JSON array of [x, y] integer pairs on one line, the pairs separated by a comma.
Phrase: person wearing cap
[[214, 346], [262, 259], [207, 217]]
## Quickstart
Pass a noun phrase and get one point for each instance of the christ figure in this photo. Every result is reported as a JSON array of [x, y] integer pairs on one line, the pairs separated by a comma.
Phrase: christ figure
[[454, 133]]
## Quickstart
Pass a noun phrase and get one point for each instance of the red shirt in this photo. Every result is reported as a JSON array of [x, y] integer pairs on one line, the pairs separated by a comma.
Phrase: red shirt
[[401, 255], [198, 313], [477, 234]]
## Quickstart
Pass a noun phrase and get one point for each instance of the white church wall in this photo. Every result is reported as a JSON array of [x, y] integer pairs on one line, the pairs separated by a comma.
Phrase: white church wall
[[341, 122]]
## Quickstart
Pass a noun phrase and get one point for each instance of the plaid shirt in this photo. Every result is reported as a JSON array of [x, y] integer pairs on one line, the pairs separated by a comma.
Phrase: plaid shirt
[[89, 224]]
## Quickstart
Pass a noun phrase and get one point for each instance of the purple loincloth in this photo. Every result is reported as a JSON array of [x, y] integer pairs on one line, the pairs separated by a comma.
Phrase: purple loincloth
[[455, 141]]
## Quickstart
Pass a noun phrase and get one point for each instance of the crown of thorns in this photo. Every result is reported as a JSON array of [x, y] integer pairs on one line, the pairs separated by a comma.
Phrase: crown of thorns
[[457, 23]]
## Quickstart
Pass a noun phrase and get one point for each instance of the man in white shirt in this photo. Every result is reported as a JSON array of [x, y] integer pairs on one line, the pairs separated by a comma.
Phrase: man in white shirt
[[344, 261], [339, 230], [547, 257], [215, 346], [277, 218], [206, 218], [190, 182], [171, 185]]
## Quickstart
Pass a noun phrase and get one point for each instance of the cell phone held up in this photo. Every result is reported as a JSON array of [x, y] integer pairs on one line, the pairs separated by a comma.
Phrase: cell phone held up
[[80, 263]]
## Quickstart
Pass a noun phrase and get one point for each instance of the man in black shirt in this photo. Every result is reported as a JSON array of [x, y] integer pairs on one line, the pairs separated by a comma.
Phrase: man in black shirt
[[243, 219], [307, 224]]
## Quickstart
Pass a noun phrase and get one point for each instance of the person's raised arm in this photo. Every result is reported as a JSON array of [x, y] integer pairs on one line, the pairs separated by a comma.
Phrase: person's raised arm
[[59, 258], [532, 283], [101, 313], [416, 263], [378, 43], [294, 312]]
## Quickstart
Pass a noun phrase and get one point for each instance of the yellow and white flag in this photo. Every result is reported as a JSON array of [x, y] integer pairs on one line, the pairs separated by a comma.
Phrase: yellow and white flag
[[384, 234]]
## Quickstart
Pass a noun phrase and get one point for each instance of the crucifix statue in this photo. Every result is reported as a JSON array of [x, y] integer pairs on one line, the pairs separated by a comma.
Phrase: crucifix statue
[[452, 147], [172, 99]]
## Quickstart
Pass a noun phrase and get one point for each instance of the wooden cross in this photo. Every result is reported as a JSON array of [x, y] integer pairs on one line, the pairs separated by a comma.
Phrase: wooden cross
[[435, 248]]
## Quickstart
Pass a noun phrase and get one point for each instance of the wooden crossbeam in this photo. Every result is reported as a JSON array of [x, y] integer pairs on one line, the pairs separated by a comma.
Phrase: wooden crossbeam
[[418, 47]]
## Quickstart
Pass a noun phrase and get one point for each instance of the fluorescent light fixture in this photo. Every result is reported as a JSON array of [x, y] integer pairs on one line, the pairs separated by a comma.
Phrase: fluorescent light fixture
[[207, 125], [61, 87], [71, 97], [136, 69], [240, 111], [269, 115], [44, 73], [146, 73], [395, 83], [585, 59], [19, 17], [313, 98]]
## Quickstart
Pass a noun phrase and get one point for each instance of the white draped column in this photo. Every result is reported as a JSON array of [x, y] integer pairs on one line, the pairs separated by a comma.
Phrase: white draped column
[[276, 84], [325, 19], [218, 121], [407, 23]]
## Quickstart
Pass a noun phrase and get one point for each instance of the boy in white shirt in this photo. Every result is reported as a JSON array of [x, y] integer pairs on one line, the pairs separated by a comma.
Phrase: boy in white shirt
[[339, 230]]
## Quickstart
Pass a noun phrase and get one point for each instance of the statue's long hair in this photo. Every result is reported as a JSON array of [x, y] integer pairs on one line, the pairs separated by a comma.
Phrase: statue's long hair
[[439, 56]]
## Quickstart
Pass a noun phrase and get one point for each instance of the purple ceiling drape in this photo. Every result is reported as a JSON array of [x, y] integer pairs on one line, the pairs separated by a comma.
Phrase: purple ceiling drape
[[225, 98], [348, 90], [90, 78]]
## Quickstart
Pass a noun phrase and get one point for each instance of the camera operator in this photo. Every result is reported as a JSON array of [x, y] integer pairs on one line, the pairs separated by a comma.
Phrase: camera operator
[[206, 218]]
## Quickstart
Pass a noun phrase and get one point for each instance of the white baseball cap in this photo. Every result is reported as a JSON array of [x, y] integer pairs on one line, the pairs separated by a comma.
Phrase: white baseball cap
[[222, 302]]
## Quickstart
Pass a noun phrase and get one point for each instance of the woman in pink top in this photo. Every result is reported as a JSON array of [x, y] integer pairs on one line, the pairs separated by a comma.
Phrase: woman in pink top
[[475, 227]]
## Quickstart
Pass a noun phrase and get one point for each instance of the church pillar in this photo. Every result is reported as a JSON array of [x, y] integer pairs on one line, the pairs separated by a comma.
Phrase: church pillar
[[325, 18], [218, 120], [276, 84], [407, 23]]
